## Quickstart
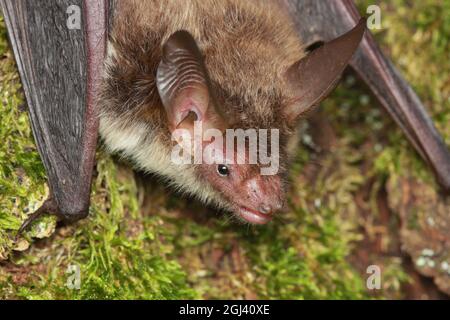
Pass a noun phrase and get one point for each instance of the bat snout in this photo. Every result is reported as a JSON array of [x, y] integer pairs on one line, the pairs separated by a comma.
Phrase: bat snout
[[264, 199]]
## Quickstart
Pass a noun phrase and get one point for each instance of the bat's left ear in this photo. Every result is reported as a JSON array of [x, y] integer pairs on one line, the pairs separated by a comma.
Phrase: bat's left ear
[[184, 86], [312, 78]]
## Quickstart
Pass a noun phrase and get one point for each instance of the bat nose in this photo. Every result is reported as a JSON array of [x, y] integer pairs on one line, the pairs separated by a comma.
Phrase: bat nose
[[267, 209]]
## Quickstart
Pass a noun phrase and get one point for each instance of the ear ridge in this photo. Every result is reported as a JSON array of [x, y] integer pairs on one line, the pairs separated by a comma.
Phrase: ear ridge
[[315, 76], [182, 80]]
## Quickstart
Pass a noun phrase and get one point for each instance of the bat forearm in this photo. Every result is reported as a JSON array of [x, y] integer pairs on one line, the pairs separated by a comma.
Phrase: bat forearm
[[96, 26]]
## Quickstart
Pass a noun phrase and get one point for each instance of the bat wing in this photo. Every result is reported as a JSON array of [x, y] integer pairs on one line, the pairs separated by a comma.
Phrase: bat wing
[[320, 21], [59, 68]]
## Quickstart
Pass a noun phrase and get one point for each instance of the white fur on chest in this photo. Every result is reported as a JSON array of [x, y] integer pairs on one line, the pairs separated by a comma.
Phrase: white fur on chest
[[138, 144]]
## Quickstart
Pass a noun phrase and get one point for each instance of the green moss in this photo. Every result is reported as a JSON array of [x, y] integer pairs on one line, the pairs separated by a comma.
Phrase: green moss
[[120, 253], [22, 176]]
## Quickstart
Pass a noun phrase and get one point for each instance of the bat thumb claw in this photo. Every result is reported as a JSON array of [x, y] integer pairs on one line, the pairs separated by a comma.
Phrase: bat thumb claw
[[49, 207]]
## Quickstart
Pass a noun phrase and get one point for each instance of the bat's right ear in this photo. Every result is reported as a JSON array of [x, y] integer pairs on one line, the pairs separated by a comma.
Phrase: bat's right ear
[[183, 83], [312, 78]]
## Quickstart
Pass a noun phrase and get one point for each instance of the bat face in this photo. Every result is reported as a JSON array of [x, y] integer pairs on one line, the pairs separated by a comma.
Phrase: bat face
[[254, 192], [235, 162], [189, 92], [251, 196]]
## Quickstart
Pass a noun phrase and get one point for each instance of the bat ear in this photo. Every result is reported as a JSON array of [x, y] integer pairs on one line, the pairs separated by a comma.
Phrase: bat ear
[[315, 76], [183, 83]]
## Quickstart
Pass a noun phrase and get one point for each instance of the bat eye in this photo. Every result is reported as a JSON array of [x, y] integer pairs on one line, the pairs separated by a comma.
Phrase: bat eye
[[223, 170]]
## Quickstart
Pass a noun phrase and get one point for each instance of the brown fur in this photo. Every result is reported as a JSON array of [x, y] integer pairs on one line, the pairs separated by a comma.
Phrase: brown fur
[[247, 46]]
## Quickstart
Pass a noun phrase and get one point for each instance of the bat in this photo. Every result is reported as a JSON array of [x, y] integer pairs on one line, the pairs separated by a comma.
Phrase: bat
[[230, 65], [187, 77]]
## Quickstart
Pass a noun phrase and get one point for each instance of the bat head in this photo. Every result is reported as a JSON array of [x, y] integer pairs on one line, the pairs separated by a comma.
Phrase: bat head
[[239, 153]]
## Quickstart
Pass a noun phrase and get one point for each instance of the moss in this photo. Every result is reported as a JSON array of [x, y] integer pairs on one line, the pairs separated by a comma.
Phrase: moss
[[119, 253], [22, 176], [126, 249]]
